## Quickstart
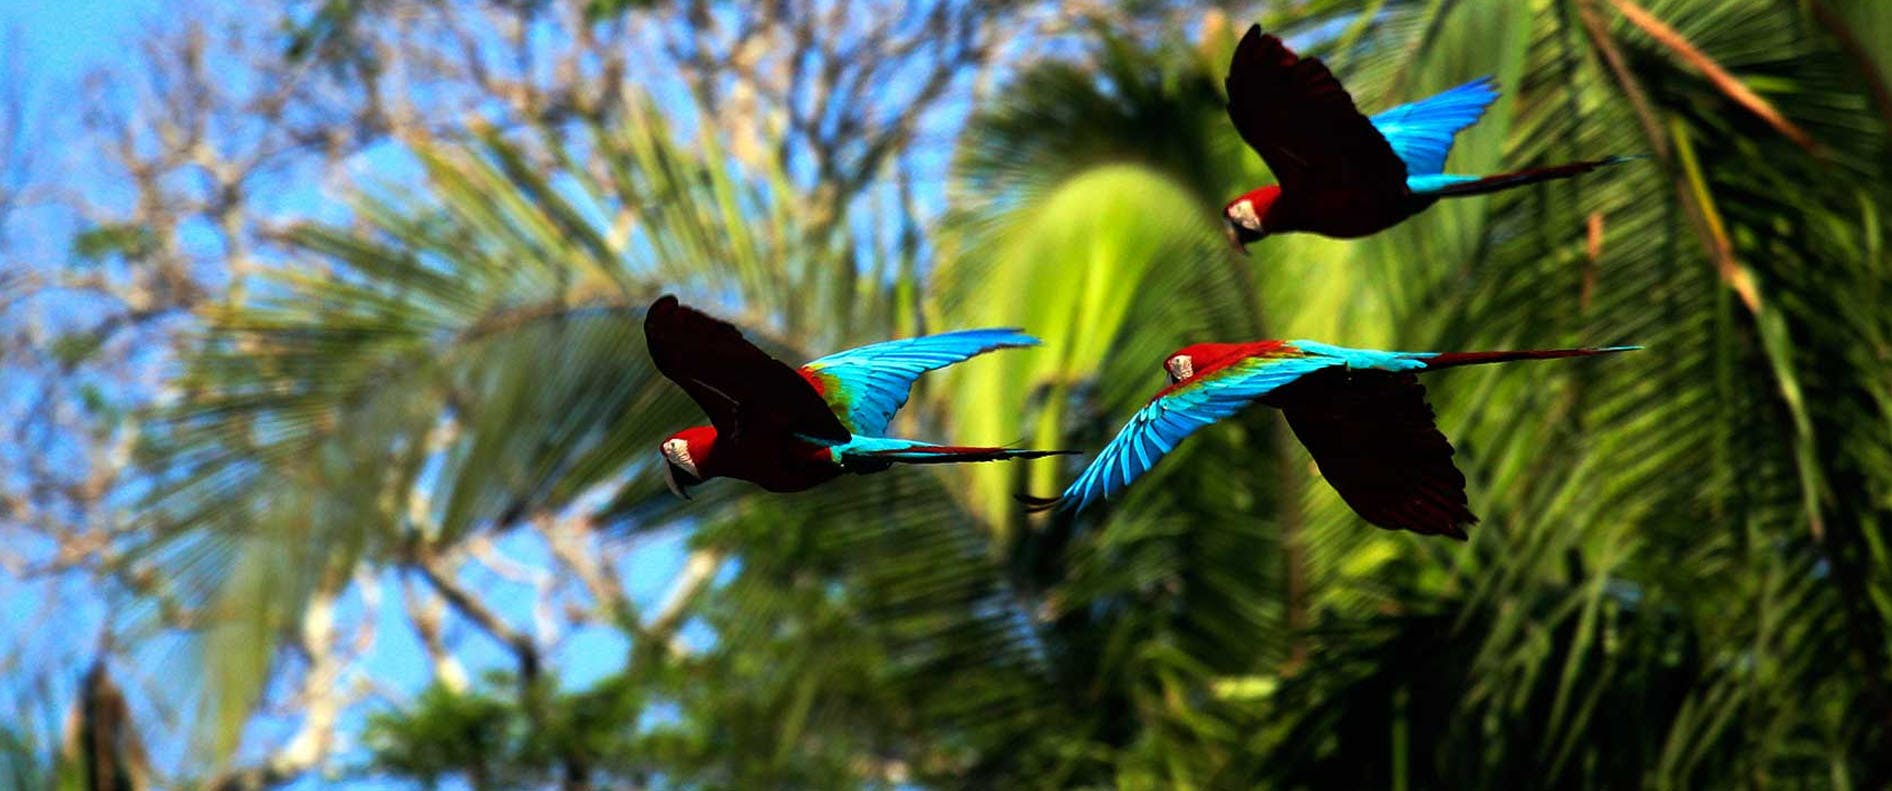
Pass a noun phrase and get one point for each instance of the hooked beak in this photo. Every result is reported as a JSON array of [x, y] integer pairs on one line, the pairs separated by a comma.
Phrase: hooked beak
[[670, 480], [1234, 235]]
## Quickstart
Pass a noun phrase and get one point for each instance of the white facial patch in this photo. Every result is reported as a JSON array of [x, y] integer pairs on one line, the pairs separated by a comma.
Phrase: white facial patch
[[677, 452], [1180, 367], [1243, 212]]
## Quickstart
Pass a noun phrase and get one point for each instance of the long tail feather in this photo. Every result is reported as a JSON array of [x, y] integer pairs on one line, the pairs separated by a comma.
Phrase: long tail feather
[[1455, 359], [1519, 178], [950, 454]]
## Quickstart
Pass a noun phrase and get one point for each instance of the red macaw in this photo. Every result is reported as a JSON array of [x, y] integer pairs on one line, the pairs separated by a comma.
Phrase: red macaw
[[1340, 173], [789, 429], [1361, 413]]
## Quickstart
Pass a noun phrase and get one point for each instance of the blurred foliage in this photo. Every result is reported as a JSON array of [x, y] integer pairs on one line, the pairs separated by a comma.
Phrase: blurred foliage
[[97, 244], [523, 739], [596, 10], [25, 762], [1682, 578]]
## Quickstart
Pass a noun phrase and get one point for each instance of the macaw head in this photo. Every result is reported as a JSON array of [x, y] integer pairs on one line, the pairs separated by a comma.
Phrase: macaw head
[[1181, 366], [1196, 359], [1243, 218], [686, 457]]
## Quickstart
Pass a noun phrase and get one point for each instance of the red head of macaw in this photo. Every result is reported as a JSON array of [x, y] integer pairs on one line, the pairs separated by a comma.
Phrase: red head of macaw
[[688, 459], [789, 429], [1190, 360], [1361, 413], [1340, 173], [1244, 219]]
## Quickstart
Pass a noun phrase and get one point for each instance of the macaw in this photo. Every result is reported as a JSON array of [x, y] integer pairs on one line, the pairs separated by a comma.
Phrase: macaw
[[1340, 173], [1361, 413], [790, 429]]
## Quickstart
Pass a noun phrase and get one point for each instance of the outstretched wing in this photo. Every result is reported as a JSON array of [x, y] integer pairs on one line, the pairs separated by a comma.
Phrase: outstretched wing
[[738, 385], [1177, 412], [866, 386], [1421, 133], [1301, 121], [1374, 438]]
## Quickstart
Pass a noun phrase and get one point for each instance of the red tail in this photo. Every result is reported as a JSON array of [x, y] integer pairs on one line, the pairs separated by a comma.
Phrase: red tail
[[1455, 359], [1519, 178]]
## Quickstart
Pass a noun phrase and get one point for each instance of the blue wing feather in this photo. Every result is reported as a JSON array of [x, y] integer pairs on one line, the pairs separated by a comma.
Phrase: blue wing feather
[[866, 386], [1421, 133], [1163, 424]]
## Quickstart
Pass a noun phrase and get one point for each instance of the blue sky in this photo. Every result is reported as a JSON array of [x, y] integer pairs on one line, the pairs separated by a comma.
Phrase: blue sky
[[63, 37]]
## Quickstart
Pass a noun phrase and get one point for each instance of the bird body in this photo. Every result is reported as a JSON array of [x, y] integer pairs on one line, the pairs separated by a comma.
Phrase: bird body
[[1361, 413], [791, 429], [1341, 174]]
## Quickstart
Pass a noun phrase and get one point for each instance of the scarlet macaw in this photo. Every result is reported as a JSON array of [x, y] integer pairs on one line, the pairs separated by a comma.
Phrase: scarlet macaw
[[1340, 173], [790, 429], [1362, 414]]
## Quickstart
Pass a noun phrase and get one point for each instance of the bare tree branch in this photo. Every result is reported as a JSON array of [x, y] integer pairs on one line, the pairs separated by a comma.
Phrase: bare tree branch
[[441, 577]]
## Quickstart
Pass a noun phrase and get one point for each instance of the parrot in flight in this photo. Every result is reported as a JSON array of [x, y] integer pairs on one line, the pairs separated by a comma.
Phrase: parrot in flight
[[1340, 173], [791, 429], [1361, 414]]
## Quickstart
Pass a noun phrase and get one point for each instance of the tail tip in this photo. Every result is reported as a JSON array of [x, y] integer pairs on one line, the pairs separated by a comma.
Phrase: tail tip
[[1034, 504]]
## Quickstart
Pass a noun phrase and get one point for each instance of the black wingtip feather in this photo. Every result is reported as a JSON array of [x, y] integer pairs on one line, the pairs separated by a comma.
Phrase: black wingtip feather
[[730, 377]]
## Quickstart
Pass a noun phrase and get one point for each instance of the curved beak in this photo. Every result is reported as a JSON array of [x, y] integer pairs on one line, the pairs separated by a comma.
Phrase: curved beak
[[670, 480], [1234, 235]]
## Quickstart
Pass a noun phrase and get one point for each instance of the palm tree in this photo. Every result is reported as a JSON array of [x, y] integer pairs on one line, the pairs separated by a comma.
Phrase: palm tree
[[469, 363], [1681, 579], [1584, 601]]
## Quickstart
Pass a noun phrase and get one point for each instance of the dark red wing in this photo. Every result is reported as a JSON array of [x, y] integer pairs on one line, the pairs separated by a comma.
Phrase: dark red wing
[[1373, 436], [738, 385], [1301, 121]]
